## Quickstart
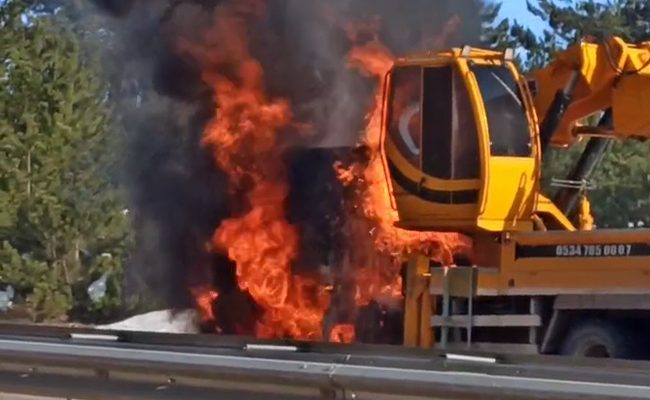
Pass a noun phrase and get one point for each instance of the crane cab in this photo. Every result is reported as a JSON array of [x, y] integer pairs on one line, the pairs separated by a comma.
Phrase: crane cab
[[460, 143]]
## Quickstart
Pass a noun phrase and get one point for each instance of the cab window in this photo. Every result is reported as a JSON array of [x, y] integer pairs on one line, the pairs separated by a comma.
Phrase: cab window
[[506, 114], [450, 138]]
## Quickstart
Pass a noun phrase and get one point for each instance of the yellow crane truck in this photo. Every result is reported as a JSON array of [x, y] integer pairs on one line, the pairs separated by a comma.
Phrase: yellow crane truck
[[464, 135]]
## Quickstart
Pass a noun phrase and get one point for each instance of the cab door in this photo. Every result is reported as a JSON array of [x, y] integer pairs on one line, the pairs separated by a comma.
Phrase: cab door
[[510, 169]]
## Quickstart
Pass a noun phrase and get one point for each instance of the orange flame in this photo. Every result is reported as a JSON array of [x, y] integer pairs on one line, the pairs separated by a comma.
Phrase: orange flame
[[245, 137], [205, 298], [343, 333], [381, 278]]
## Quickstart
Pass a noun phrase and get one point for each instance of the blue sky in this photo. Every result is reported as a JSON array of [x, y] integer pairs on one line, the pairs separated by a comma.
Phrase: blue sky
[[517, 10]]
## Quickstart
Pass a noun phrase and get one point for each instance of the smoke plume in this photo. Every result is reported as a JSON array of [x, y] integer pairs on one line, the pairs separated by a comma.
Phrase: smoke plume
[[178, 195]]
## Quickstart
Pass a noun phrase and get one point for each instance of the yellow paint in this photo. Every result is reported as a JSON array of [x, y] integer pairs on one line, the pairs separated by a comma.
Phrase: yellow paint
[[551, 215], [507, 186], [612, 74], [419, 305], [507, 198], [586, 219], [510, 210]]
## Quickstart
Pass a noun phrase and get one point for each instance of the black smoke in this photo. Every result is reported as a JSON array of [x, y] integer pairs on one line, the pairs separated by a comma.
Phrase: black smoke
[[178, 195]]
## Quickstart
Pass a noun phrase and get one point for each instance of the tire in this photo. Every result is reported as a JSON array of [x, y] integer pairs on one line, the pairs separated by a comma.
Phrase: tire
[[598, 339]]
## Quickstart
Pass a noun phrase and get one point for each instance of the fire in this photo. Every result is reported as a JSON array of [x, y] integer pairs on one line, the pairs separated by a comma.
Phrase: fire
[[246, 137], [205, 298], [383, 278], [343, 333], [376, 60]]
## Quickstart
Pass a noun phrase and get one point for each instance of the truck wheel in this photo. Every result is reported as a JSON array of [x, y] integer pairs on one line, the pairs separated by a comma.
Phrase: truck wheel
[[599, 339]]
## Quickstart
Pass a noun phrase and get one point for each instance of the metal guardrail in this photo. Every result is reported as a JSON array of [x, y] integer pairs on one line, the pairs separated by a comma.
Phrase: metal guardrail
[[84, 366]]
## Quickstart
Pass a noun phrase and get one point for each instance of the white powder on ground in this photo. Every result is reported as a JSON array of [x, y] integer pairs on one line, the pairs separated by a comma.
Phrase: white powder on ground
[[162, 321]]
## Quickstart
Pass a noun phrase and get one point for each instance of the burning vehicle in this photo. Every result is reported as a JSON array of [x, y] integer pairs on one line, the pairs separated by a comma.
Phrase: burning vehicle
[[289, 94]]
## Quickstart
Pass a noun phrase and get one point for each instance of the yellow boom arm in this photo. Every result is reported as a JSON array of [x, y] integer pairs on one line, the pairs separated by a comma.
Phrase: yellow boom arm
[[594, 77]]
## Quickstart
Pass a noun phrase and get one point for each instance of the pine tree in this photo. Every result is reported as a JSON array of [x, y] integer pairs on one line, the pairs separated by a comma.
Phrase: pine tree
[[494, 35], [61, 215]]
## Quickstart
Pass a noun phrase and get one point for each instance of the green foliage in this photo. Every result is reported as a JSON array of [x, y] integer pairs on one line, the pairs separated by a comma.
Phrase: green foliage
[[570, 21], [623, 186], [61, 218], [495, 35]]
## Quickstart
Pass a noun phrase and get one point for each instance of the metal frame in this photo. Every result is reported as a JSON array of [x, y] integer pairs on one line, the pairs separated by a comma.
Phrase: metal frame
[[459, 282]]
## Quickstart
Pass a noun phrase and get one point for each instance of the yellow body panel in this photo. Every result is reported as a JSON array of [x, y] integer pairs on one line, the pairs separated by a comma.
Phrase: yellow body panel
[[551, 215], [445, 216], [556, 262], [508, 196]]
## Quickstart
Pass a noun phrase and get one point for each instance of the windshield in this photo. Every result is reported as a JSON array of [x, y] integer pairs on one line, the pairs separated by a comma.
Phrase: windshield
[[405, 121], [506, 114]]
